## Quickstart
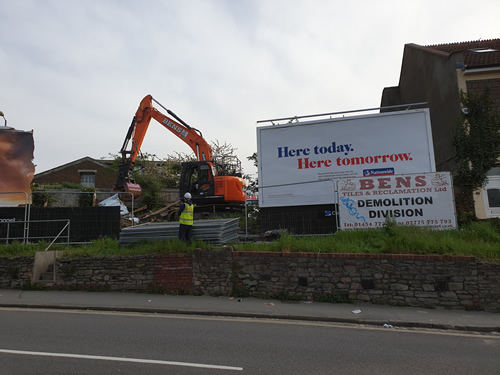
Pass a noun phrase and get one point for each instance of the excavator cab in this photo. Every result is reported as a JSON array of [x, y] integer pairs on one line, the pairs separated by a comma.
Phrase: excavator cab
[[197, 178]]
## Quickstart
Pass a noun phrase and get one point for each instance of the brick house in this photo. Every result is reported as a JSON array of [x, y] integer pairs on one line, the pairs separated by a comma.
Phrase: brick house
[[436, 74], [95, 173], [85, 171]]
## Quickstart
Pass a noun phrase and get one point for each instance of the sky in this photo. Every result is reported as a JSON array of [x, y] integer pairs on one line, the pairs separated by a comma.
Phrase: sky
[[75, 71]]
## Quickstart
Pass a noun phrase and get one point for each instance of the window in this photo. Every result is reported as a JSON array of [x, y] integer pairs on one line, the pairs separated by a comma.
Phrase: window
[[493, 198], [491, 193], [87, 179]]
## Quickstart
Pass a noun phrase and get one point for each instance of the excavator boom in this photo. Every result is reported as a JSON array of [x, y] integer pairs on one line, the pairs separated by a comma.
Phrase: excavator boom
[[191, 136], [214, 188]]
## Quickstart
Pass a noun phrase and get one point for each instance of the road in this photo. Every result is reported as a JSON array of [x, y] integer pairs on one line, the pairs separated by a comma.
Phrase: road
[[60, 342]]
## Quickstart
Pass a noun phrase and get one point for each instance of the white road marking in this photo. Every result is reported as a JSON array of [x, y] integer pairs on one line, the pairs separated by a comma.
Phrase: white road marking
[[118, 359]]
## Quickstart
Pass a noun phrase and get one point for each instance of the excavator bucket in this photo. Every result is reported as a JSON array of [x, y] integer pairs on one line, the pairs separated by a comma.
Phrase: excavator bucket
[[128, 187], [135, 189]]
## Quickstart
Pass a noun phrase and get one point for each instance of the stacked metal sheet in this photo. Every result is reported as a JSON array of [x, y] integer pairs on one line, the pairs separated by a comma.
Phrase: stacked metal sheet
[[216, 232]]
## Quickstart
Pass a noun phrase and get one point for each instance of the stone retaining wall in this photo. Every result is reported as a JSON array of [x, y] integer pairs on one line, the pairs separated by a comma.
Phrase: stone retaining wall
[[489, 286], [389, 279], [410, 280], [166, 273], [16, 272]]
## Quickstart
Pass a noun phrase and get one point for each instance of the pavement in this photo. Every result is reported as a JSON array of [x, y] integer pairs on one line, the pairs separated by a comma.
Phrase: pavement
[[364, 313]]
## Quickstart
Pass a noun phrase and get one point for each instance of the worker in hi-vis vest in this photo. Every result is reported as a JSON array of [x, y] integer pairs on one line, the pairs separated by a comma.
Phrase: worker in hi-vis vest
[[186, 219]]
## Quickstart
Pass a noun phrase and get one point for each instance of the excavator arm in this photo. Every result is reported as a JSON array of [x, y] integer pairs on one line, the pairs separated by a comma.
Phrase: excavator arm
[[137, 131], [200, 178], [135, 136]]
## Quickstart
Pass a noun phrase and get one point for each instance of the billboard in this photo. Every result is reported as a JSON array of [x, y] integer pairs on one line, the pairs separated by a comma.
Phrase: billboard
[[16, 166], [299, 162], [424, 200]]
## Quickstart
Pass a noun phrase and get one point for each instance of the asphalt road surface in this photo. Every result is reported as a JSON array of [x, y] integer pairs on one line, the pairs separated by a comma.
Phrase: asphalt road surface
[[57, 342]]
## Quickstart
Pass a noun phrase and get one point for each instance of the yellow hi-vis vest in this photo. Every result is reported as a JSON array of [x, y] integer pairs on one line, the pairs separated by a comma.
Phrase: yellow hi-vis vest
[[186, 217]]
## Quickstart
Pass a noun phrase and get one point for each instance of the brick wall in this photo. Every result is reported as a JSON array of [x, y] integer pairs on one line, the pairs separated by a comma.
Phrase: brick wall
[[174, 272], [411, 280], [477, 87], [104, 177]]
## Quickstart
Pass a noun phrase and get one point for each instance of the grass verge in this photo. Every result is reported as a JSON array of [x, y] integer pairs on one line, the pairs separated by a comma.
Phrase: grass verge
[[479, 239]]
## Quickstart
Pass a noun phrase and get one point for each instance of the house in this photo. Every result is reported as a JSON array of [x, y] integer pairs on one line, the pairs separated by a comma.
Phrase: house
[[98, 174], [436, 75], [86, 171]]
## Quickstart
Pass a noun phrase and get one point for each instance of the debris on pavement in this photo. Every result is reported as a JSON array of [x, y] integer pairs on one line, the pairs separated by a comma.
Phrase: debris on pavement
[[356, 311]]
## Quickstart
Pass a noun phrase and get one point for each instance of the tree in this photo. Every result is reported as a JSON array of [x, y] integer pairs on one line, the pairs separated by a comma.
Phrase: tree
[[253, 210], [225, 160], [253, 183], [477, 145], [156, 174]]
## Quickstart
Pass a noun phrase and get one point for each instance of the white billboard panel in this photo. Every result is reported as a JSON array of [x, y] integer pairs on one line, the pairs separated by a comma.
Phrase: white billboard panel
[[424, 200], [296, 159]]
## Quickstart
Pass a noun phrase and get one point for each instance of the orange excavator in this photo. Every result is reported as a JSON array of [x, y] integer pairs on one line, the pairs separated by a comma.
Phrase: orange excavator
[[208, 180]]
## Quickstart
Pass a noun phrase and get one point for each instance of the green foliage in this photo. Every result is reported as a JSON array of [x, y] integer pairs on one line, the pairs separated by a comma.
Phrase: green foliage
[[151, 188], [465, 217], [33, 286], [240, 291], [156, 175], [110, 247], [69, 185], [390, 226], [253, 183], [253, 210], [479, 239], [477, 145], [39, 198], [332, 298], [252, 223], [18, 249], [286, 296], [86, 200]]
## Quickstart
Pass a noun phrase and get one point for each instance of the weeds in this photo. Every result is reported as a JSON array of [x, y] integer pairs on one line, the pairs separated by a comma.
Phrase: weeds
[[479, 239], [332, 298], [240, 291], [33, 286], [286, 296]]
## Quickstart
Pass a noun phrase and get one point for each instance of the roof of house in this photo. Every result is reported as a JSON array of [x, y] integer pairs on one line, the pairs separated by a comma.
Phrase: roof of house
[[477, 54], [100, 163]]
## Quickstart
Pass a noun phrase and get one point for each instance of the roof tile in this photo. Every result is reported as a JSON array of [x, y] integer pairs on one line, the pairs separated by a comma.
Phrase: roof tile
[[477, 54]]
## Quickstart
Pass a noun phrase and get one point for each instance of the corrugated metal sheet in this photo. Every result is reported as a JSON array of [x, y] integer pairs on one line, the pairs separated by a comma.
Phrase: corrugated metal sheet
[[217, 232]]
